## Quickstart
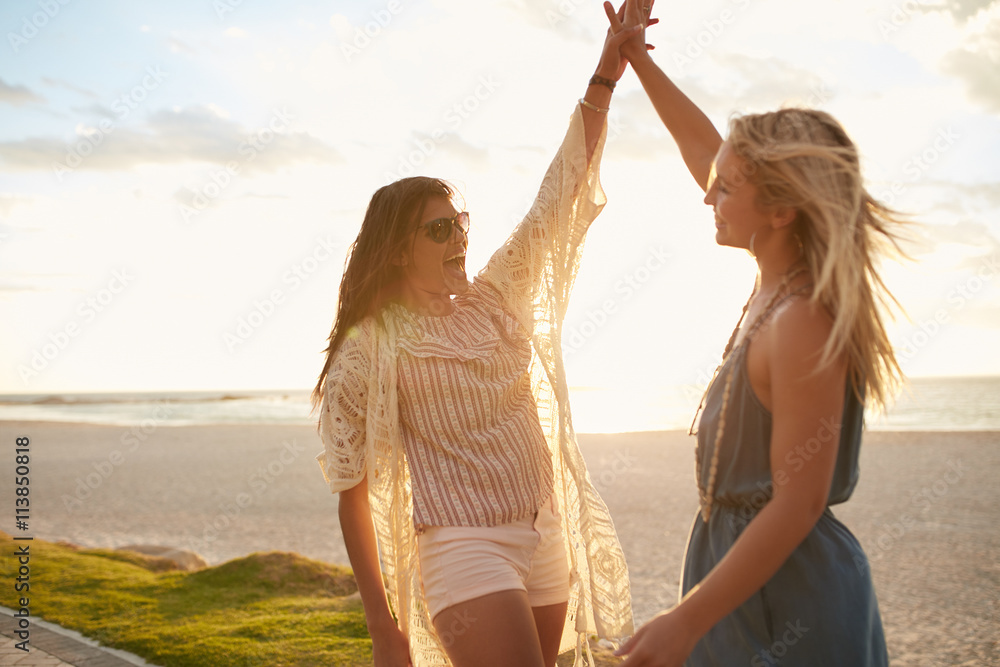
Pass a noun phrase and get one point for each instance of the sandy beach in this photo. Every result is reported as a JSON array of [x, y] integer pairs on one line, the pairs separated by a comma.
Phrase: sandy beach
[[926, 511]]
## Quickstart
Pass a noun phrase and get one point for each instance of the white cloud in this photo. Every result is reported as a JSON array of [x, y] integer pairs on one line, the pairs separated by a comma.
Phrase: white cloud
[[963, 10], [218, 111], [735, 81], [356, 117], [197, 134], [570, 19], [17, 95], [8, 201], [178, 46], [59, 83], [977, 63]]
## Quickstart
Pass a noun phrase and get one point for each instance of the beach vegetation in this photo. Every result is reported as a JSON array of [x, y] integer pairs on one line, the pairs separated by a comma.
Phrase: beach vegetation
[[263, 609], [274, 609]]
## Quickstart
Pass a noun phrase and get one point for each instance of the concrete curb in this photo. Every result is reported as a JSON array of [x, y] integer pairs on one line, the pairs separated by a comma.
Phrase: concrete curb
[[69, 645]]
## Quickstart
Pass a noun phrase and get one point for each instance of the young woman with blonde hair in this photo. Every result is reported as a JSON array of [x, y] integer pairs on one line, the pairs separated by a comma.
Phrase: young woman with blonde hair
[[445, 419], [770, 575]]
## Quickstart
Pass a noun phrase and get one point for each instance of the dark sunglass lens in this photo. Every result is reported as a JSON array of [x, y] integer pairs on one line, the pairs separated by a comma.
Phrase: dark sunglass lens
[[440, 230]]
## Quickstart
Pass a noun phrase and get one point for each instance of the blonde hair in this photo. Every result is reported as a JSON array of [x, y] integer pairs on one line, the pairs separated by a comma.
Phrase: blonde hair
[[803, 158]]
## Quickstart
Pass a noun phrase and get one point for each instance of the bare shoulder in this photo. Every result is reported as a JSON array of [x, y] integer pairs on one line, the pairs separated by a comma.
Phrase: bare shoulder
[[799, 330], [799, 316]]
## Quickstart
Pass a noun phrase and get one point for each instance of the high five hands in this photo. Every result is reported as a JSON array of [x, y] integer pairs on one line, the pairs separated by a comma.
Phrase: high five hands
[[626, 35], [666, 641]]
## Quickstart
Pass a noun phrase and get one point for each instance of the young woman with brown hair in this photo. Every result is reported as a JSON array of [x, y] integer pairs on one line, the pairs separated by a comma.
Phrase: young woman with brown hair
[[445, 419]]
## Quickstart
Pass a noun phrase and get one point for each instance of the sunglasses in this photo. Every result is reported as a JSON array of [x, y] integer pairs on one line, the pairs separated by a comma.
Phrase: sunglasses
[[440, 230]]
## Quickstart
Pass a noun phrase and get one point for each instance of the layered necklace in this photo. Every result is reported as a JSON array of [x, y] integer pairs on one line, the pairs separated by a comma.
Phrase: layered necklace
[[705, 494]]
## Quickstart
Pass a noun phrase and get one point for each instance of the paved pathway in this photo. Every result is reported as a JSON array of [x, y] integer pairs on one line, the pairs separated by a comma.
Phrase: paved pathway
[[52, 646]]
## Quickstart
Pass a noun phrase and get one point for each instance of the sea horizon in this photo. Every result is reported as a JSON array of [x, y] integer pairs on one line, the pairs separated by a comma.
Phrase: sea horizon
[[964, 403]]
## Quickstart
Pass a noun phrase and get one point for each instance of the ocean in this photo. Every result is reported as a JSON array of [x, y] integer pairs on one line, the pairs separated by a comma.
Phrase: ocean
[[929, 404]]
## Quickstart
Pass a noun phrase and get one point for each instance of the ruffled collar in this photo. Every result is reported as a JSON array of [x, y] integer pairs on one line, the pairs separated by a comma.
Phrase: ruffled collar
[[471, 331]]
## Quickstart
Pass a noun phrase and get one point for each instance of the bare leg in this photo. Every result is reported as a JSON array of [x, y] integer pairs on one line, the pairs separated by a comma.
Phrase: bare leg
[[550, 621], [495, 630]]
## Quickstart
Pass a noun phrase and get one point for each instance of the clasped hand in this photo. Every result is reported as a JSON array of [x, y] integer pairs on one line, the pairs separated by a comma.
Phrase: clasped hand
[[626, 36]]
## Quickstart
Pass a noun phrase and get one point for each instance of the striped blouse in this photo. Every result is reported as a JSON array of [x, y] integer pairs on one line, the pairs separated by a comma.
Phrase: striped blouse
[[476, 451]]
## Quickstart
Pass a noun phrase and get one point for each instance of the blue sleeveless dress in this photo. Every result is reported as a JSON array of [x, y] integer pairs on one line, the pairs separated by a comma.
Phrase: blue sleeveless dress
[[819, 609]]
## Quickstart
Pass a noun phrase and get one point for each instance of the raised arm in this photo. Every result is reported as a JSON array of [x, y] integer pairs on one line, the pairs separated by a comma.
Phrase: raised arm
[[539, 259], [610, 68], [694, 133]]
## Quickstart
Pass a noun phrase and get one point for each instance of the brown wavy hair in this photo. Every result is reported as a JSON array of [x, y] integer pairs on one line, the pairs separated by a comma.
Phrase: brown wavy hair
[[371, 276]]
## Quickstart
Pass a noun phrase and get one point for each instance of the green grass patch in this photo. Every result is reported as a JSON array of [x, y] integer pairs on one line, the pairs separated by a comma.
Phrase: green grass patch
[[265, 609]]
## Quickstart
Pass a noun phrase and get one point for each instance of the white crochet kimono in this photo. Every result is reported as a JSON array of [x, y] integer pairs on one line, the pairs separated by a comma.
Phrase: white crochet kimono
[[534, 270]]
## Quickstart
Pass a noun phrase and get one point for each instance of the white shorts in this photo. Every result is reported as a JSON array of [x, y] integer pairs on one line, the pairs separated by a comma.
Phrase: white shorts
[[461, 563]]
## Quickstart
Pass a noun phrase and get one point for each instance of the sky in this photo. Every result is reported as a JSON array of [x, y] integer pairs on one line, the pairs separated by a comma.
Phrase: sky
[[179, 182]]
